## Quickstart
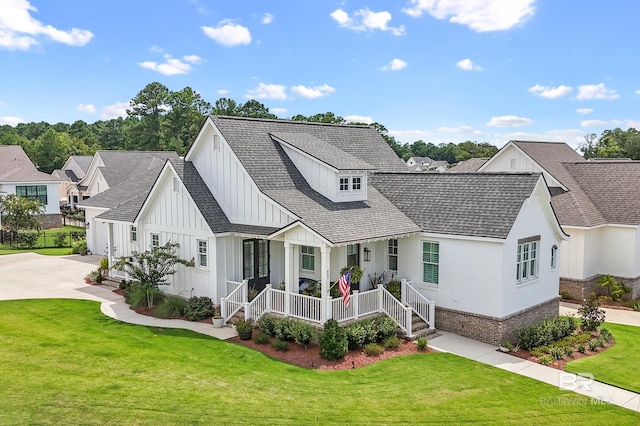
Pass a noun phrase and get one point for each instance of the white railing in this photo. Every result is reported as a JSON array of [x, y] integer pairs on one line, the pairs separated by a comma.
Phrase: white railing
[[232, 286], [340, 312], [259, 305], [368, 302], [361, 304], [305, 307], [235, 300], [277, 301], [396, 310], [423, 307]]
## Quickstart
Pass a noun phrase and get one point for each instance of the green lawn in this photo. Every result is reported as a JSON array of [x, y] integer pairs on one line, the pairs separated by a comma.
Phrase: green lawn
[[57, 251], [64, 362], [617, 365]]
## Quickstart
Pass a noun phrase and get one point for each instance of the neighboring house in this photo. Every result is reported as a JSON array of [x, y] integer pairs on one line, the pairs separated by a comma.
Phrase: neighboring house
[[597, 203], [426, 164], [18, 175], [273, 204], [73, 170], [109, 169], [470, 165]]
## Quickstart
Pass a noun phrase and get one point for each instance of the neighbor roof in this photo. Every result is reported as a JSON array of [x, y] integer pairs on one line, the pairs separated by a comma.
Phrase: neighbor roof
[[470, 165], [15, 166], [83, 161], [122, 165], [474, 204]]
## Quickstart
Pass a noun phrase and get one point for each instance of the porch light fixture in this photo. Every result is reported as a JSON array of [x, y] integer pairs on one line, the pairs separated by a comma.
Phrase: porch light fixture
[[367, 254]]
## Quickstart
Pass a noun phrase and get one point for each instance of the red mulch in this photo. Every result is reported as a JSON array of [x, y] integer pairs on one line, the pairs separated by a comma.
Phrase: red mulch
[[559, 364]]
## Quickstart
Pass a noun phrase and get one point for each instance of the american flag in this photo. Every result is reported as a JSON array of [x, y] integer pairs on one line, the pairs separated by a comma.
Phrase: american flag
[[344, 285]]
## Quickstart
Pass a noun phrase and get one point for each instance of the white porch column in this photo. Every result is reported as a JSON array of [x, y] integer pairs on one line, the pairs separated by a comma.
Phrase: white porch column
[[110, 243], [325, 271], [288, 277]]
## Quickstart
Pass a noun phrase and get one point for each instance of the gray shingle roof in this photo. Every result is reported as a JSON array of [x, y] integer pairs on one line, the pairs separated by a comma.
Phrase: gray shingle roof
[[323, 151], [122, 165], [470, 165], [83, 161], [473, 204], [15, 166]]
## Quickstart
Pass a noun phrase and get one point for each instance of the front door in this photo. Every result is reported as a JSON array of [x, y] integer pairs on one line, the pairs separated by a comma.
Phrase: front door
[[255, 262]]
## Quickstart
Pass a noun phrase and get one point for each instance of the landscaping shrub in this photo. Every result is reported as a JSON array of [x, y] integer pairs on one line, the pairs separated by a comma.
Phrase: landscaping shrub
[[136, 297], [550, 330], [422, 344], [60, 239], [170, 307], [594, 345], [386, 327], [395, 288], [556, 352], [198, 308], [261, 338], [302, 332], [373, 349], [582, 348], [566, 295], [267, 323], [27, 239], [606, 334], [281, 345], [546, 359], [392, 342], [333, 341], [124, 285], [616, 289], [591, 313], [79, 245], [283, 328], [356, 335]]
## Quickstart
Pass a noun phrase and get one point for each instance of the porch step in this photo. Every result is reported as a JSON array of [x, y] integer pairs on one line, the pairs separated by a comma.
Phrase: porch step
[[419, 328], [111, 282]]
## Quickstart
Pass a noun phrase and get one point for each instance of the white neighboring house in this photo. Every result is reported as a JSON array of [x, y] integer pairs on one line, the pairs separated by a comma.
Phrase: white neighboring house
[[108, 169], [18, 175], [426, 164], [272, 204], [73, 170], [598, 205]]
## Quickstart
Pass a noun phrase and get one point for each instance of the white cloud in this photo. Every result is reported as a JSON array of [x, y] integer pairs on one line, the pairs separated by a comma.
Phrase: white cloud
[[551, 92], [222, 91], [468, 65], [18, 30], [596, 91], [366, 20], [312, 92], [229, 34], [593, 123], [358, 119], [171, 66], [584, 111], [479, 15], [116, 110], [156, 49], [267, 18], [637, 92], [395, 65], [11, 121], [267, 91], [462, 130], [509, 121], [89, 109], [278, 111]]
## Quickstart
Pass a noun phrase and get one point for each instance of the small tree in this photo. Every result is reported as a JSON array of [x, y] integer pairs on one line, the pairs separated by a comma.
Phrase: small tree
[[591, 313], [19, 213], [616, 289], [152, 268]]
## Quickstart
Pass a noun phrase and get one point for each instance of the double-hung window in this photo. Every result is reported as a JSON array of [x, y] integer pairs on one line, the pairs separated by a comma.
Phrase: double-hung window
[[554, 256], [392, 250], [527, 259], [155, 241], [134, 234], [430, 263], [308, 258], [344, 184], [202, 254]]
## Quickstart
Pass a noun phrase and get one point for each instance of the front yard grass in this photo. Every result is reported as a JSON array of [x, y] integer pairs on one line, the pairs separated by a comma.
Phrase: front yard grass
[[617, 365], [57, 251], [64, 362]]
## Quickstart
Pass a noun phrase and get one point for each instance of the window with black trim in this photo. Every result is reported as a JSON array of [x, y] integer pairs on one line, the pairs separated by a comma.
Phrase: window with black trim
[[392, 251], [33, 192]]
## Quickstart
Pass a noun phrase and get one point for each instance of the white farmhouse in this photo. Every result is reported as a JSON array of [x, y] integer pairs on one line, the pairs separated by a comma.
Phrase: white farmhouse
[[273, 205]]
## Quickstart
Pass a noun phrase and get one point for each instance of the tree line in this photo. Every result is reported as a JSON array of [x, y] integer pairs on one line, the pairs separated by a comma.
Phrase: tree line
[[164, 120]]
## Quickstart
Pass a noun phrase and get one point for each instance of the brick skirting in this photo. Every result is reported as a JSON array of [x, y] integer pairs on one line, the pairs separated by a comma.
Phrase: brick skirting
[[581, 289], [493, 330]]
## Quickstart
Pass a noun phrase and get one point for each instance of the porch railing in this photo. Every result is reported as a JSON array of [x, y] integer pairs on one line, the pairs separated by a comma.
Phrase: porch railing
[[361, 304], [235, 300], [423, 307], [269, 300], [305, 307], [395, 309]]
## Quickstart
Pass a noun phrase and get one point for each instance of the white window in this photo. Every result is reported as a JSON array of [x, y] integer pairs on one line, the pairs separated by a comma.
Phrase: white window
[[356, 183], [344, 184], [351, 184], [393, 255], [155, 241], [527, 259], [554, 256], [134, 233], [202, 254], [176, 184], [430, 262], [215, 143], [308, 258]]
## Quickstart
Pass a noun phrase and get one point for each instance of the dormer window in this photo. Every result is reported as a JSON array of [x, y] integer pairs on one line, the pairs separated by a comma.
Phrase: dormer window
[[344, 184], [351, 184], [357, 183]]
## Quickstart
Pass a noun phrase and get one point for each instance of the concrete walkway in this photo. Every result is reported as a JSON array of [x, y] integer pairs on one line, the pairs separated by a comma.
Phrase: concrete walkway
[[616, 316], [29, 276]]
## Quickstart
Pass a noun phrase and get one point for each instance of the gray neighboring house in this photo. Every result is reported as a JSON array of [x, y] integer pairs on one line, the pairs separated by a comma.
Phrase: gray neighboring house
[[18, 175], [597, 202], [73, 170]]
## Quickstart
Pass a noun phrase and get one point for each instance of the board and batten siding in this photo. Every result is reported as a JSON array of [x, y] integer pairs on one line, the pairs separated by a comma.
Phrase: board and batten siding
[[512, 159], [231, 185], [97, 232]]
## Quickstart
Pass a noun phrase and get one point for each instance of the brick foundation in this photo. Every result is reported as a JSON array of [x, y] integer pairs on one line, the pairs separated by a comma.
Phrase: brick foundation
[[581, 289], [493, 330], [50, 221]]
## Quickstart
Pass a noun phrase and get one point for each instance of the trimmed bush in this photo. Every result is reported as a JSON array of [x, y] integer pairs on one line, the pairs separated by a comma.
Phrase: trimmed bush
[[392, 342], [170, 307], [283, 328], [546, 359], [136, 297], [60, 239], [302, 333], [267, 323], [422, 344], [606, 334], [333, 341], [395, 288], [582, 348], [198, 308], [281, 345], [594, 344], [261, 338], [591, 313], [27, 239], [373, 349], [356, 335], [386, 327], [546, 332]]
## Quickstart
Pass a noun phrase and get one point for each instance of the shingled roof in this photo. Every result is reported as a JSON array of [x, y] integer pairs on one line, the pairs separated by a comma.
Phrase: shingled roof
[[122, 165], [15, 166], [470, 165], [474, 204]]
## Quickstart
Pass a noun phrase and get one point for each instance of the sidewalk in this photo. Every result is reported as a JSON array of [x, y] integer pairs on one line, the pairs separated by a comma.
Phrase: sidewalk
[[488, 354], [616, 316]]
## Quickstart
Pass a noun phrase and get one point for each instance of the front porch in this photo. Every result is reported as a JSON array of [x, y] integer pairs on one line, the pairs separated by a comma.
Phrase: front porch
[[318, 310]]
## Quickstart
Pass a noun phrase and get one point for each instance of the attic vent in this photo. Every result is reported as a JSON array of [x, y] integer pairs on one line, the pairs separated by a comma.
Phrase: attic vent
[[215, 142]]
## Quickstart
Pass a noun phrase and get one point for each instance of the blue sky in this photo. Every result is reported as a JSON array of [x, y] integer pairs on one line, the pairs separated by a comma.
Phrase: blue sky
[[436, 70]]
